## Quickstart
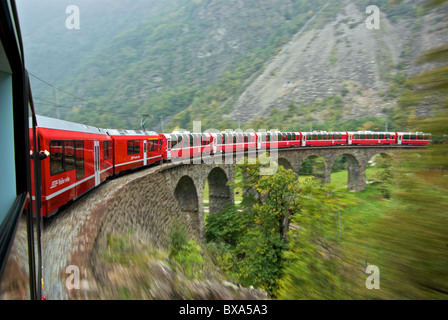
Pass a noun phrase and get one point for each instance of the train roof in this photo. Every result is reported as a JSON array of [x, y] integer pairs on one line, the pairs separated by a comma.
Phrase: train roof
[[51, 123], [122, 132]]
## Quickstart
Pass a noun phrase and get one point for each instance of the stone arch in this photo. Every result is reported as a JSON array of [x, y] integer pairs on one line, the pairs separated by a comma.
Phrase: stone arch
[[356, 180], [285, 163], [187, 197], [383, 155], [220, 194], [315, 166]]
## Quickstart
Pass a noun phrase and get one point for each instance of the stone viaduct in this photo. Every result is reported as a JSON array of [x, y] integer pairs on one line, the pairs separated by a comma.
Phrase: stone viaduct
[[187, 181], [145, 204], [182, 185]]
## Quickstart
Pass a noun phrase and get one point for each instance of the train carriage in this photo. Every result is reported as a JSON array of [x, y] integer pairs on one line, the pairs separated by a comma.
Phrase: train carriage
[[413, 138], [133, 149], [78, 161], [324, 138], [372, 138], [186, 145], [81, 157]]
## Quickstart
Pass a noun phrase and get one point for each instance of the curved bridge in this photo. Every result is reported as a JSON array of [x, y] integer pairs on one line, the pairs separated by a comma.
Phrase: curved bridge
[[149, 201]]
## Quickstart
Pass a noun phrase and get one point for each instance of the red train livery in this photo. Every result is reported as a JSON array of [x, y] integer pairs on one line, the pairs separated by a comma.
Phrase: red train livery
[[81, 157], [77, 161], [133, 149]]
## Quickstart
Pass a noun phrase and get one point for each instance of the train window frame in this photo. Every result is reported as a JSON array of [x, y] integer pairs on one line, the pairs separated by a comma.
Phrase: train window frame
[[133, 147], [53, 155], [80, 169], [107, 146], [64, 156], [69, 158]]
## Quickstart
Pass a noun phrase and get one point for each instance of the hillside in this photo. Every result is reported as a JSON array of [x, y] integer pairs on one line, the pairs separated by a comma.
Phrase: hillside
[[223, 62], [342, 58]]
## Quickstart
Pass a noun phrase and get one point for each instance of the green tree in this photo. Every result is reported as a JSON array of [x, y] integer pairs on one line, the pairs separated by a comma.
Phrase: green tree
[[385, 176], [311, 262]]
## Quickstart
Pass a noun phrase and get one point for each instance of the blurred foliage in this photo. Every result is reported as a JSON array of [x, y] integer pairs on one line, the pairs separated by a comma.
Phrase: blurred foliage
[[185, 251], [409, 240], [385, 175], [254, 241]]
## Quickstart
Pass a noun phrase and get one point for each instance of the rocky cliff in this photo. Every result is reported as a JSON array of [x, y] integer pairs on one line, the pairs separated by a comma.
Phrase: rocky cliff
[[343, 57]]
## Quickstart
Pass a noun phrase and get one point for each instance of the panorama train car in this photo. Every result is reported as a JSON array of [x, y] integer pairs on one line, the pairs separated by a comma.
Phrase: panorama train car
[[413, 138], [185, 145], [371, 138], [324, 138], [233, 141], [78, 160], [133, 149], [277, 139]]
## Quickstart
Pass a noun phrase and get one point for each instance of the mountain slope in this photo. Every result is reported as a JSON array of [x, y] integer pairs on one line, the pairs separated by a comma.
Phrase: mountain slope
[[343, 58], [166, 62]]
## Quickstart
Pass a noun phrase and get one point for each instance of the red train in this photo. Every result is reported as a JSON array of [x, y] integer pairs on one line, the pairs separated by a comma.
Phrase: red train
[[81, 157]]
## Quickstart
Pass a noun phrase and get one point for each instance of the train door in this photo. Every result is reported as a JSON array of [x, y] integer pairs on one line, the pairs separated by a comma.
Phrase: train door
[[215, 143], [96, 156], [350, 139], [259, 140], [168, 148], [145, 152], [304, 140], [400, 139]]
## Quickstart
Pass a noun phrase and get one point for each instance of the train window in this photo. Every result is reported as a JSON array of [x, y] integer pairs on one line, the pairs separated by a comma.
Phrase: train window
[[203, 139], [56, 157], [69, 155], [133, 147], [79, 159], [107, 150]]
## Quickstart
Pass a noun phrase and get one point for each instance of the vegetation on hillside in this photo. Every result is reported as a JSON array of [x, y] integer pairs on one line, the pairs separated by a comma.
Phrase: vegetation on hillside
[[398, 224]]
